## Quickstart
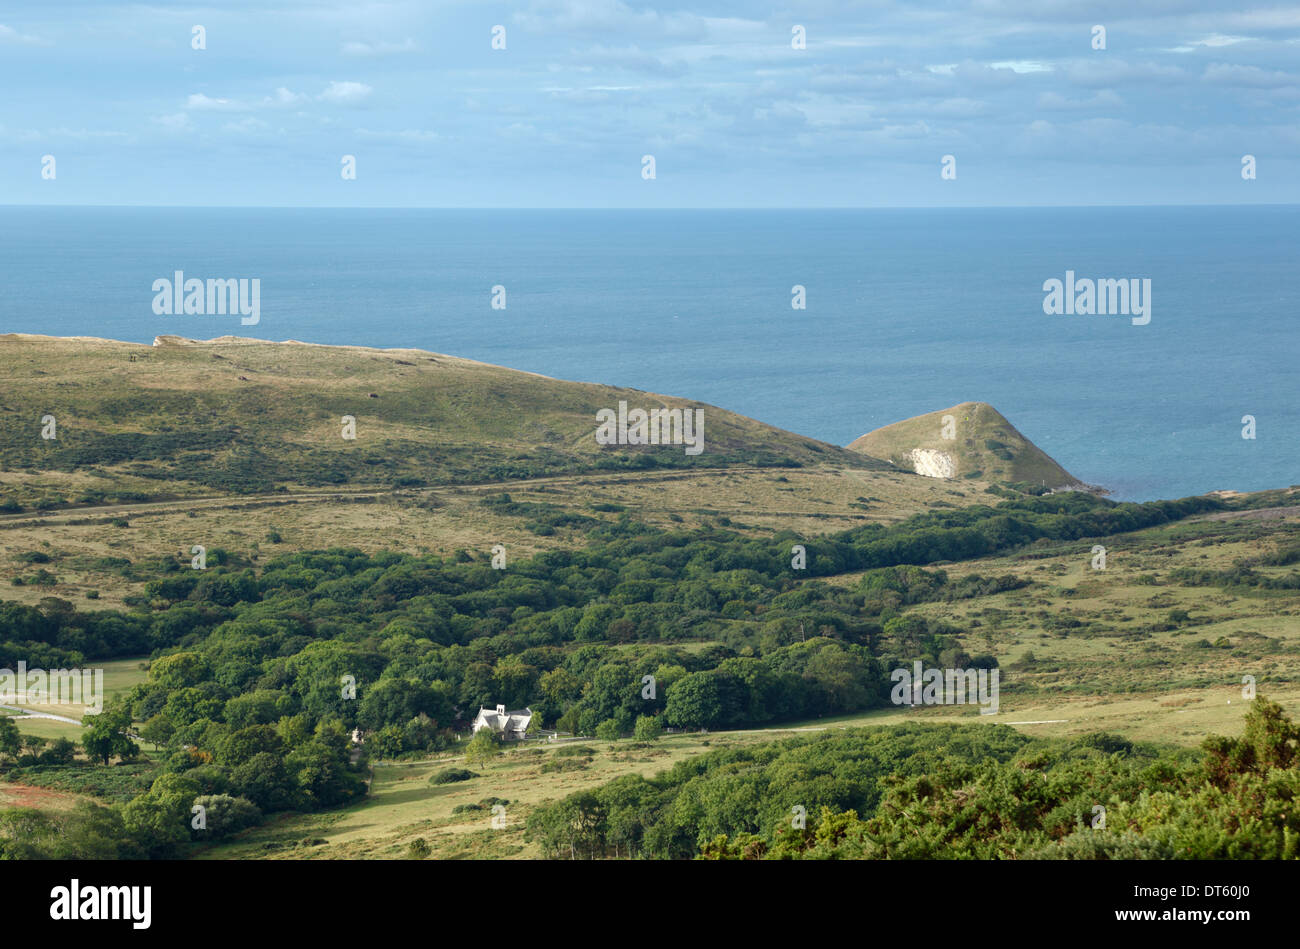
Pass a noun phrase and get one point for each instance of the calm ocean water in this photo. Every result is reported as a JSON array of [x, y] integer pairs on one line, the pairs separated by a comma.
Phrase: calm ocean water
[[908, 311]]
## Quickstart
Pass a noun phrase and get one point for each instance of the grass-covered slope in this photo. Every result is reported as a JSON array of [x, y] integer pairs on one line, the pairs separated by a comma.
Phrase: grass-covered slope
[[970, 440], [245, 415]]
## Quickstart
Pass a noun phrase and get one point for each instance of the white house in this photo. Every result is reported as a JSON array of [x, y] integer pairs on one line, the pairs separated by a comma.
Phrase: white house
[[509, 725]]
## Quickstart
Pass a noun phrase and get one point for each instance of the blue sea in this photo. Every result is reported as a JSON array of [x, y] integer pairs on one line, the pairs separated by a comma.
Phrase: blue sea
[[908, 311]]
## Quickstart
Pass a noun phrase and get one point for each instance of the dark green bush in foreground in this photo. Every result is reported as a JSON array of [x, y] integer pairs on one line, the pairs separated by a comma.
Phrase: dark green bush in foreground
[[451, 776]]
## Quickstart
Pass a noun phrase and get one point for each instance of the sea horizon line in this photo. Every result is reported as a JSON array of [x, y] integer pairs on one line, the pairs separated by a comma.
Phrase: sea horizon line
[[783, 208]]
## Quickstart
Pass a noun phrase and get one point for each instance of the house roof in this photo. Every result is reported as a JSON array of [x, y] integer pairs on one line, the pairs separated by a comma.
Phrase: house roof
[[511, 720]]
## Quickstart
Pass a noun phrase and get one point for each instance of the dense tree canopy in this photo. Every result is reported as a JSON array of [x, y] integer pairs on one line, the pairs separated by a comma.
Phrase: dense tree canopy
[[946, 791], [260, 672]]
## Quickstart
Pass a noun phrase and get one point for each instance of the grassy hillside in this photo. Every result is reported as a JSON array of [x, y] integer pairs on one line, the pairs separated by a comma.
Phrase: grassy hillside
[[982, 445], [128, 478], [618, 568], [97, 552], [244, 416]]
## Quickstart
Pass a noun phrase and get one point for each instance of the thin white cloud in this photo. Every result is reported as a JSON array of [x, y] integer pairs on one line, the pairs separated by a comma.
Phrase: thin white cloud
[[1234, 75], [1022, 65], [283, 97], [9, 35], [336, 93], [201, 103], [1214, 41], [345, 93], [1220, 40], [358, 48]]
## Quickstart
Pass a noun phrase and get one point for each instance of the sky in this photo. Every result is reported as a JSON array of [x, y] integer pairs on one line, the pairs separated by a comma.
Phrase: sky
[[733, 114]]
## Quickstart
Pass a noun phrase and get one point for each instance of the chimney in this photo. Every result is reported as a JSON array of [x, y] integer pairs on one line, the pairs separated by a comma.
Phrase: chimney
[[501, 710]]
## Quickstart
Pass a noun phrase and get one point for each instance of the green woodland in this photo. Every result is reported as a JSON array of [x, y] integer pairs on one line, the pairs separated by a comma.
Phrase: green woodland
[[918, 792], [259, 672]]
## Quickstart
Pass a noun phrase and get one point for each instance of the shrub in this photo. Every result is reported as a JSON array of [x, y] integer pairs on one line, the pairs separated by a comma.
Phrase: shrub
[[226, 815], [483, 747], [647, 728], [452, 775]]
